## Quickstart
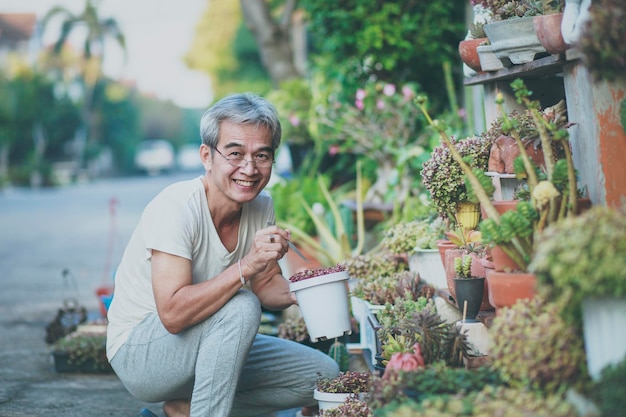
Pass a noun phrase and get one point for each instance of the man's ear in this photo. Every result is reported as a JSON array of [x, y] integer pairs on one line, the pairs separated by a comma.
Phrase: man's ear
[[206, 156]]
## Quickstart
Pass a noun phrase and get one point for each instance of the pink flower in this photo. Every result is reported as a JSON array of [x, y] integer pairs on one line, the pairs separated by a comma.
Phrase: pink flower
[[408, 361], [407, 92], [333, 150], [380, 104], [359, 104], [294, 120], [360, 94], [389, 90]]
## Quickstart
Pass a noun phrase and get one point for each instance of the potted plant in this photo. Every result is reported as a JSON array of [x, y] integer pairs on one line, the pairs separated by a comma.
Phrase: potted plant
[[468, 288], [511, 32], [442, 176], [552, 193], [328, 319], [331, 392], [352, 406], [418, 239], [533, 347], [81, 351], [581, 261]]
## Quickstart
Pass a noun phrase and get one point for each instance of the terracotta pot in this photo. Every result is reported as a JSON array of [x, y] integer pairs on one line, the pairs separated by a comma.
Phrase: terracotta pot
[[548, 29], [443, 246], [501, 207], [502, 261], [505, 288], [480, 271], [451, 255], [467, 51], [504, 151]]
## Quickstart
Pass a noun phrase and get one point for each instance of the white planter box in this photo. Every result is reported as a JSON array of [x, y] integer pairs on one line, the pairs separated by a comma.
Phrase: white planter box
[[361, 309], [427, 263], [605, 340]]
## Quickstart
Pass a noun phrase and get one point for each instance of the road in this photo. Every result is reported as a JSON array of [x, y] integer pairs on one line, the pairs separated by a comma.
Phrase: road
[[42, 232]]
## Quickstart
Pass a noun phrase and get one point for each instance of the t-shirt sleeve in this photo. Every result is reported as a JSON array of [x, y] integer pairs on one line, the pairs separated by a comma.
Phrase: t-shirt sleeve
[[168, 226]]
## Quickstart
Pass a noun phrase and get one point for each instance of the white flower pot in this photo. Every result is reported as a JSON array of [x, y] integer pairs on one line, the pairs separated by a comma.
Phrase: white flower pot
[[605, 343], [323, 302], [330, 400], [427, 263], [514, 39]]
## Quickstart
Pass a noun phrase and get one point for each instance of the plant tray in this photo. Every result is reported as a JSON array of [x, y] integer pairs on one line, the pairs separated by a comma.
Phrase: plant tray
[[63, 364]]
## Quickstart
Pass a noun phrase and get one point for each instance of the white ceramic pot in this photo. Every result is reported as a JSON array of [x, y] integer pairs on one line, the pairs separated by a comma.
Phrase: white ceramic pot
[[427, 263], [605, 344], [328, 401], [323, 302]]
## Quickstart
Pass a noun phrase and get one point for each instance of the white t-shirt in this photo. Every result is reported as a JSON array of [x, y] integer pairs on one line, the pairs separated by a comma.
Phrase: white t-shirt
[[176, 221]]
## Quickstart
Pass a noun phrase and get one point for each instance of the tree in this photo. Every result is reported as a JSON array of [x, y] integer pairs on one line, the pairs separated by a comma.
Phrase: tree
[[98, 30]]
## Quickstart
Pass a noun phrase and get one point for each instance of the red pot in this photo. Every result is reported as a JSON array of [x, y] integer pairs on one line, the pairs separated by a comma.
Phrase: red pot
[[467, 51], [505, 288], [548, 30]]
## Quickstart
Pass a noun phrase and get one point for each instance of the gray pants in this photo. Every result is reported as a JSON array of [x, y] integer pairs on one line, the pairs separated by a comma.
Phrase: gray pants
[[222, 364]]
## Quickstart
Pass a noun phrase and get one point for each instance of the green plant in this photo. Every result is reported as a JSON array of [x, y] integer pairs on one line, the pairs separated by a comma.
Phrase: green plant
[[389, 288], [601, 41], [349, 382], [463, 266], [508, 9], [533, 347], [83, 348], [443, 176], [431, 382], [608, 391], [334, 244], [582, 257], [405, 237], [339, 352]]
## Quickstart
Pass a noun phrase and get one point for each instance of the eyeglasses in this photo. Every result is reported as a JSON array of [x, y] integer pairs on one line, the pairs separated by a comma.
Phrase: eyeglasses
[[261, 160]]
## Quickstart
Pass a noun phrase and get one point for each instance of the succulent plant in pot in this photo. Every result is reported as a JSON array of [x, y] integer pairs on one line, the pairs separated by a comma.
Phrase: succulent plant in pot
[[468, 288], [553, 193], [442, 176], [581, 262], [332, 392], [81, 352], [533, 347]]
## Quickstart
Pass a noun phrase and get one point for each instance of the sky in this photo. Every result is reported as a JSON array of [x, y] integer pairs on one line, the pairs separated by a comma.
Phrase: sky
[[158, 34]]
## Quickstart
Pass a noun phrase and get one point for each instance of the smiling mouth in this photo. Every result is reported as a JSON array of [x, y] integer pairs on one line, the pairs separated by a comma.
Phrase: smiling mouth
[[244, 183]]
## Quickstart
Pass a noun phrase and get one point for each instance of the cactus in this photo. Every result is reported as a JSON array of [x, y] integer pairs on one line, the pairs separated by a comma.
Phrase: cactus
[[463, 266], [339, 353]]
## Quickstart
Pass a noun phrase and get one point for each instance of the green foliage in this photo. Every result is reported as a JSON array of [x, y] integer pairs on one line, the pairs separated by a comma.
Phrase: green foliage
[[443, 176], [463, 266], [533, 347], [490, 401], [401, 41], [349, 382], [435, 381], [339, 352], [608, 391], [83, 347], [405, 237], [583, 256], [602, 40]]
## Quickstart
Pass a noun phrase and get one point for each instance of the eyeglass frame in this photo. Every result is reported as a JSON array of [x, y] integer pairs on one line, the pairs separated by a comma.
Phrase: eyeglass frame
[[253, 162]]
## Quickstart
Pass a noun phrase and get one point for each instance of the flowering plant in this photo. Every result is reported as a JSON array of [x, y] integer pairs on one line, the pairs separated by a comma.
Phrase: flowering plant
[[553, 192], [349, 382], [380, 124], [443, 176]]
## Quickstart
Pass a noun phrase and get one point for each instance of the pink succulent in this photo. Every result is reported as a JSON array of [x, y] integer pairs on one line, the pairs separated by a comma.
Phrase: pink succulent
[[405, 361]]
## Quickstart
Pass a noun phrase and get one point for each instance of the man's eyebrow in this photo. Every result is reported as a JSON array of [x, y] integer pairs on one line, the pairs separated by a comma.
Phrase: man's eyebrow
[[230, 145]]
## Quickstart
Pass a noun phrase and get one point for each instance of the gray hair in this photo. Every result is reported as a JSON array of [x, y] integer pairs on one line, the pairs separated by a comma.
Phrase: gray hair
[[245, 108]]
